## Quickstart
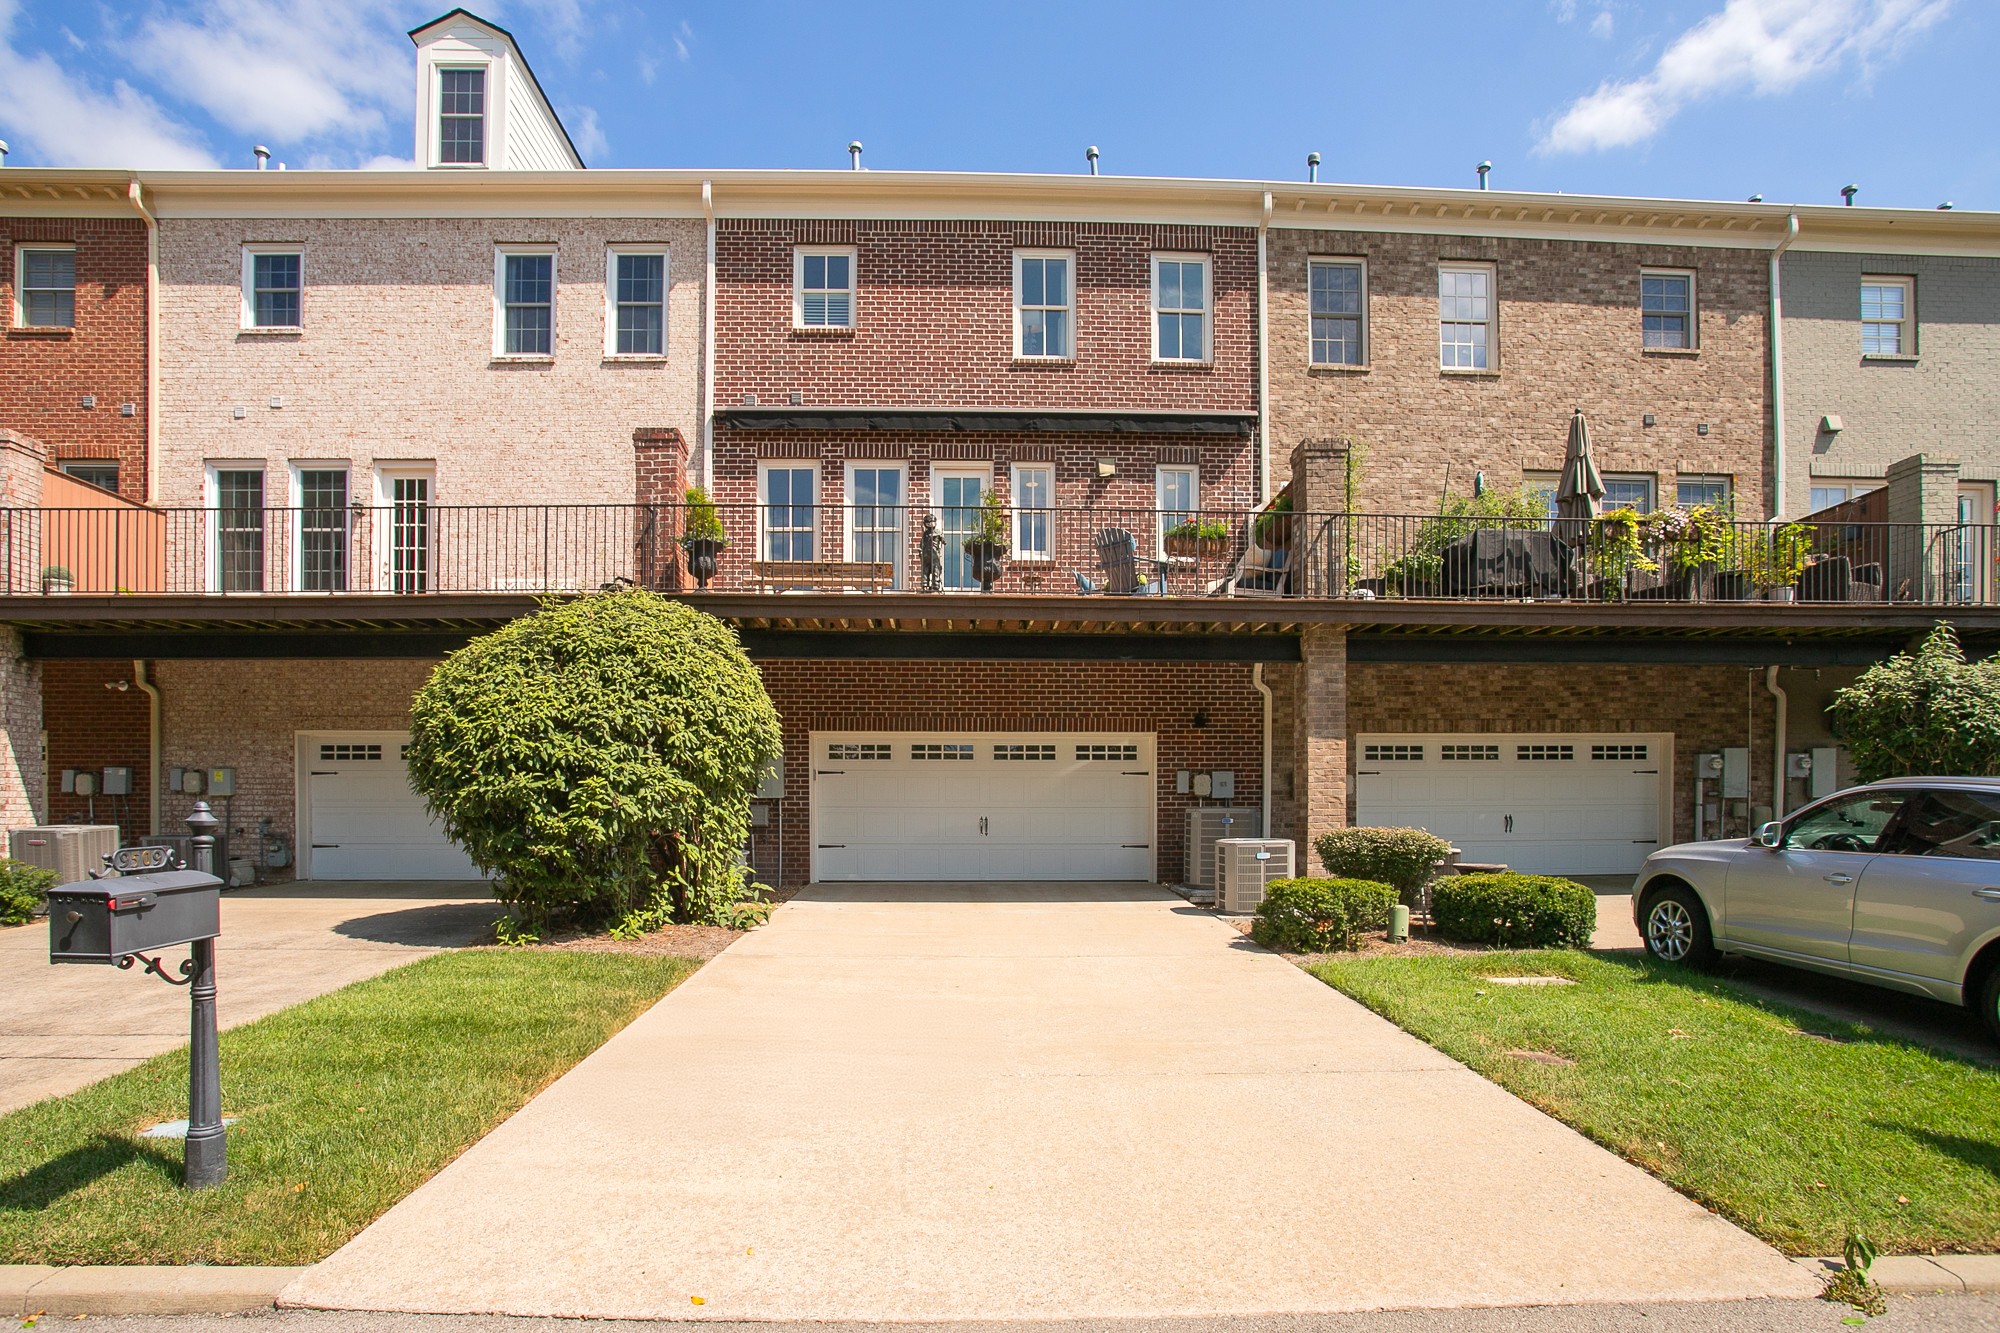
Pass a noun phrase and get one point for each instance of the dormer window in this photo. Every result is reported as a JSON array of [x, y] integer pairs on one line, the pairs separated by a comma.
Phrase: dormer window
[[462, 117]]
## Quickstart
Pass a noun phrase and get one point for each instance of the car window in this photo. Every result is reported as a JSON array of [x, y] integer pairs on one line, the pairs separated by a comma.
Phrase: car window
[[1948, 823], [1852, 824]]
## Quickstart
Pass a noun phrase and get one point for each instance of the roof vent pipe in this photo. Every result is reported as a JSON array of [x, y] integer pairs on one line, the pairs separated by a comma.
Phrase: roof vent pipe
[[1090, 156], [854, 154], [262, 154], [1847, 193], [3, 152], [1312, 168], [1944, 207], [1483, 169], [1756, 198]]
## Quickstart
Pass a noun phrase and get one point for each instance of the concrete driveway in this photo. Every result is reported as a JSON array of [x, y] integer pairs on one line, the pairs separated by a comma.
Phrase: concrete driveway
[[65, 1027], [1025, 1102]]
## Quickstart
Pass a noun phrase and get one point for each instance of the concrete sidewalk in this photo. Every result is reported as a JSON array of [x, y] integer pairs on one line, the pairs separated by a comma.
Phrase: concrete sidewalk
[[905, 1103]]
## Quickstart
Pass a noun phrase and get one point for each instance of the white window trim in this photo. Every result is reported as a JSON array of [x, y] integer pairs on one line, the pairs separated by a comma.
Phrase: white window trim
[[1693, 310], [295, 500], [1014, 506], [1207, 262], [1907, 339], [611, 256], [500, 255], [767, 466], [248, 312], [387, 474], [1069, 308], [488, 120], [852, 506], [1160, 510], [799, 255], [20, 279], [1652, 481], [1367, 352], [1728, 481], [1438, 321], [211, 496]]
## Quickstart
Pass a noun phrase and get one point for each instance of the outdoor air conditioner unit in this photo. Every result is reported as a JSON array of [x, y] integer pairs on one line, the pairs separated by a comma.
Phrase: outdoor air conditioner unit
[[1206, 824], [73, 851], [1246, 866]]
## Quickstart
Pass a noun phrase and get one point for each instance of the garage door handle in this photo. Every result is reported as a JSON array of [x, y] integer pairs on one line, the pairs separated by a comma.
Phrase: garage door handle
[[319, 845], [1840, 879], [1990, 895], [835, 845], [321, 773]]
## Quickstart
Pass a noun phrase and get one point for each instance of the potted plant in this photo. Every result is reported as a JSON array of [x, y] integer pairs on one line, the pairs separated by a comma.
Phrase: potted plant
[[702, 536], [986, 546], [1777, 558], [57, 580], [1272, 530], [1621, 550], [1191, 537]]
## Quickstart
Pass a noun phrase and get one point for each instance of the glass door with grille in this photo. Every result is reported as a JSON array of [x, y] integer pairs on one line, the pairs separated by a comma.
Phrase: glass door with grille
[[406, 534], [959, 491]]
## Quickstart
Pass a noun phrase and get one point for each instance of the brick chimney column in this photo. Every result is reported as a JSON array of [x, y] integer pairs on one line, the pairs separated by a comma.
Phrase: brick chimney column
[[1320, 743], [1319, 497], [22, 461], [1923, 490], [659, 463]]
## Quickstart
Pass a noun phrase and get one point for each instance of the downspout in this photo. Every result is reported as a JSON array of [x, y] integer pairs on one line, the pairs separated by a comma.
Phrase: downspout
[[708, 347], [137, 197], [1257, 679], [1778, 760], [1778, 366], [1264, 394], [152, 741]]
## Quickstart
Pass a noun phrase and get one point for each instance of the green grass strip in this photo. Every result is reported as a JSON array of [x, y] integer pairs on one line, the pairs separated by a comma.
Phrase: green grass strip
[[347, 1103], [1729, 1098]]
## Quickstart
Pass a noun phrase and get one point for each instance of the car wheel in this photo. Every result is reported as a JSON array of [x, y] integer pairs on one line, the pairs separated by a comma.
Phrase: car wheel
[[1677, 928], [1989, 1002]]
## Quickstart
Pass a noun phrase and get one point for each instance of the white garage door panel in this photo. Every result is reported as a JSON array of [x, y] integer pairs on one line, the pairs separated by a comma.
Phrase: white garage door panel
[[363, 820], [1567, 804], [883, 811]]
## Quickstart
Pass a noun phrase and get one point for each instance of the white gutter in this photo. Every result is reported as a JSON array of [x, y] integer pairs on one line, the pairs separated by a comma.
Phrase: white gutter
[[1782, 741], [138, 201], [1264, 415], [152, 741], [1778, 366], [1257, 679], [708, 347]]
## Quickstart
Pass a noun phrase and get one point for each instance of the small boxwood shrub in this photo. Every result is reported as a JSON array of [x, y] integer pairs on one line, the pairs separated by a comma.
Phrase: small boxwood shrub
[[1403, 858], [1515, 911], [1320, 915], [22, 889]]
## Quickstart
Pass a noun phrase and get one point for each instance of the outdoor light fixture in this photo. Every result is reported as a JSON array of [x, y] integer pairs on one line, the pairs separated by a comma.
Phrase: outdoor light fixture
[[1106, 468], [1831, 424], [1649, 420], [1701, 429]]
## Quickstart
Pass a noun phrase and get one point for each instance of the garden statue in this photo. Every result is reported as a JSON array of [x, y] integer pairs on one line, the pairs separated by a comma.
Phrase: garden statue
[[932, 544]]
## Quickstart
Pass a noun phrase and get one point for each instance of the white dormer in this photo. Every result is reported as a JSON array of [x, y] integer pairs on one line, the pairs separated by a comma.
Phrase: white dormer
[[478, 105]]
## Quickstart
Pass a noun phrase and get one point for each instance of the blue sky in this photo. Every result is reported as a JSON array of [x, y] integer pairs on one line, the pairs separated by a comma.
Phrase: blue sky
[[1701, 98]]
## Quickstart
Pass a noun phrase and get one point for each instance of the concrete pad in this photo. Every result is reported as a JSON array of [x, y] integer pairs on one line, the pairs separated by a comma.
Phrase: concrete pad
[[1025, 1103], [66, 1027], [147, 1290], [1978, 1272], [16, 1281]]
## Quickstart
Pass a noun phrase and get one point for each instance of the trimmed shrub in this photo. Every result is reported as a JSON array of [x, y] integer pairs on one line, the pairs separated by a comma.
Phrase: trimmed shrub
[[599, 757], [1931, 713], [1514, 911], [1320, 915], [22, 889], [1403, 858]]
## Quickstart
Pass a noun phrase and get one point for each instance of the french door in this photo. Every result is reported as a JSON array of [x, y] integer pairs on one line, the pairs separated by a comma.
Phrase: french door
[[875, 498], [958, 495]]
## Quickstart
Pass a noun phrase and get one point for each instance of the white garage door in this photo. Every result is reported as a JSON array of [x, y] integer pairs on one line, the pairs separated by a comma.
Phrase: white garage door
[[1567, 804], [982, 806], [362, 819]]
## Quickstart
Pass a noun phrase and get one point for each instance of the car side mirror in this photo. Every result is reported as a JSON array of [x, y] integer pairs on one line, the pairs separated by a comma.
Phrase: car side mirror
[[1771, 835]]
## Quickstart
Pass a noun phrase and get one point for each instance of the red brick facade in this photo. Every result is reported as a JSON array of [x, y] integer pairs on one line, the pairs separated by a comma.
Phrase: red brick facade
[[93, 725], [47, 373]]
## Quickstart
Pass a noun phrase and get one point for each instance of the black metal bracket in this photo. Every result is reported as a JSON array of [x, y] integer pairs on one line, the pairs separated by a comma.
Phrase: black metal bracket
[[155, 968]]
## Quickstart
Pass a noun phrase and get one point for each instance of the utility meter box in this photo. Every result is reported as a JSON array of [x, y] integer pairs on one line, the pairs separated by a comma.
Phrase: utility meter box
[[1736, 774], [104, 920], [1825, 771]]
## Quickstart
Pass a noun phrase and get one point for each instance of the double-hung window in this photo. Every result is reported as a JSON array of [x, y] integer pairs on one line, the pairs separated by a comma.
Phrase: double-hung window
[[1339, 296], [525, 291], [1034, 500], [322, 519], [1180, 308], [1666, 310], [788, 511], [462, 117], [1465, 316], [1044, 311], [102, 475], [1691, 491], [273, 287], [635, 288], [1177, 490], [823, 288], [1634, 491], [238, 516], [45, 287], [1888, 316]]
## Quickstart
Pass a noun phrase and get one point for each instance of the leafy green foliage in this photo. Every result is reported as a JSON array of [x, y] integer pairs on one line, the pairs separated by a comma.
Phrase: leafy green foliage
[[1515, 911], [22, 889], [1320, 915], [599, 758], [1403, 858], [1197, 530], [699, 521], [1418, 569], [1931, 713], [989, 522]]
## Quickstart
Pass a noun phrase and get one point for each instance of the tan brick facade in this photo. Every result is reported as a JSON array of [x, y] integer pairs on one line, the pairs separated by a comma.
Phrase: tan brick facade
[[21, 771]]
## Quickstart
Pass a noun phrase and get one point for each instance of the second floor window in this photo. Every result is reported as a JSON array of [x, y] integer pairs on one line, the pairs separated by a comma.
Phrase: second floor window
[[823, 289], [527, 304], [1180, 308], [1886, 317], [274, 293], [1690, 491], [1042, 304], [462, 117], [1337, 293], [1465, 317], [638, 284], [239, 530], [101, 475], [46, 280], [1666, 310], [1634, 492]]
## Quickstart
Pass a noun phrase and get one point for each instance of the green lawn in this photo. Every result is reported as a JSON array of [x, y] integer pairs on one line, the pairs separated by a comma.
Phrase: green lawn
[[346, 1104], [1724, 1096]]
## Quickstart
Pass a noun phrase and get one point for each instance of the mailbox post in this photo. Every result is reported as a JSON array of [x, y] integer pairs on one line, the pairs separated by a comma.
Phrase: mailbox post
[[206, 1158]]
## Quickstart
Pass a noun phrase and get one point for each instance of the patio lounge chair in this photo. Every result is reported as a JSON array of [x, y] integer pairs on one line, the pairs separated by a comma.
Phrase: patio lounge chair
[[1118, 559]]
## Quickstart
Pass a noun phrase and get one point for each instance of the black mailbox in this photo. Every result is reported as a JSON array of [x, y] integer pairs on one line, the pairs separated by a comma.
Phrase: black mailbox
[[105, 920]]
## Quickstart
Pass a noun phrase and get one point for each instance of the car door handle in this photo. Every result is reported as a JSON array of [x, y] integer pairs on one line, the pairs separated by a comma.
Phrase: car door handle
[[1990, 895], [1839, 879]]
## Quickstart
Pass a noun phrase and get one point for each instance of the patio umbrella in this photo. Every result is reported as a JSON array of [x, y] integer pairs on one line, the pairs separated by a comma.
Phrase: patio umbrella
[[1580, 488]]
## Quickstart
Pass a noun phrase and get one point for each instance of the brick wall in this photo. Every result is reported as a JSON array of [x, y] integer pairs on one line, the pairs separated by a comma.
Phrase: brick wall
[[48, 372], [1568, 336], [20, 734], [94, 727]]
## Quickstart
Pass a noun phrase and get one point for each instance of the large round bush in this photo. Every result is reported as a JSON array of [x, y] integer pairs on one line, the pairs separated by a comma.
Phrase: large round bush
[[599, 757], [1929, 713], [1403, 858], [1515, 911], [1320, 915]]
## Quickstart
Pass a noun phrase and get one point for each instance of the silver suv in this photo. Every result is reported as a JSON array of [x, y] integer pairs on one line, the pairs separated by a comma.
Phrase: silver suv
[[1896, 884]]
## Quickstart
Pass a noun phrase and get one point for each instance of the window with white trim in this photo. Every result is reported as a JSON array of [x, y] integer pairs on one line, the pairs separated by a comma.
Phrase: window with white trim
[[1338, 292], [1666, 309], [1474, 753], [237, 559], [45, 287], [1177, 498], [1825, 494], [1180, 308], [1465, 317], [102, 474], [823, 287], [1632, 491], [1381, 754], [524, 293], [1034, 502], [945, 751], [344, 753], [635, 301], [1695, 489], [1044, 304], [1117, 754], [461, 100], [1024, 753], [273, 287], [1888, 316], [320, 494], [788, 514], [865, 750]]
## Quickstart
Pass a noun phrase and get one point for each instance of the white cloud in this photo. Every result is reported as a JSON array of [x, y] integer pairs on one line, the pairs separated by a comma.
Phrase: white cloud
[[585, 131], [649, 69], [562, 21], [1601, 25], [1761, 46], [63, 122], [681, 41], [1564, 10]]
